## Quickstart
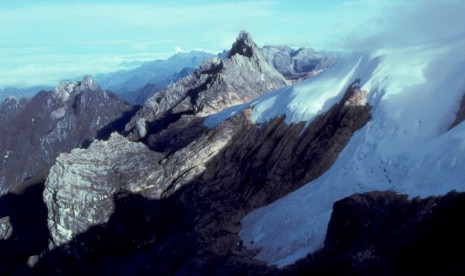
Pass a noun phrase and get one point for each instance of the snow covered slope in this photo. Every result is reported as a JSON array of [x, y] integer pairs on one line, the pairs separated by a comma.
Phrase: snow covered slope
[[406, 147]]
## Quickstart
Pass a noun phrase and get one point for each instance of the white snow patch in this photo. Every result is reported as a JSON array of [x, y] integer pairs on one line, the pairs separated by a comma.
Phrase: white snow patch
[[406, 147], [305, 100], [216, 119]]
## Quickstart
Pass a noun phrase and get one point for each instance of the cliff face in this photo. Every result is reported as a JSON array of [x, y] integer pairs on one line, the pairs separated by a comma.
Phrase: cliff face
[[36, 131], [80, 185], [218, 83]]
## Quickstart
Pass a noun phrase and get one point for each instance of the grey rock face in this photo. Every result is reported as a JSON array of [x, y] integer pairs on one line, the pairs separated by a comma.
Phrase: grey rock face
[[80, 187], [300, 64], [6, 230], [219, 83], [34, 132]]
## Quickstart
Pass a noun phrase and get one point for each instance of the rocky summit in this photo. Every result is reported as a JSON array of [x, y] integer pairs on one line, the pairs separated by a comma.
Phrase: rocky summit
[[35, 131], [219, 83]]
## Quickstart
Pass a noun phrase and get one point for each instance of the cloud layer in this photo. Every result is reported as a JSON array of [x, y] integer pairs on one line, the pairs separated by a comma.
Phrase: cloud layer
[[49, 41], [410, 23]]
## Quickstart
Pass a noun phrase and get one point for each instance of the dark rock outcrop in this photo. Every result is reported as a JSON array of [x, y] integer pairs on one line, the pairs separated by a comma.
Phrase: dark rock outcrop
[[460, 116], [28, 236], [385, 233], [36, 131]]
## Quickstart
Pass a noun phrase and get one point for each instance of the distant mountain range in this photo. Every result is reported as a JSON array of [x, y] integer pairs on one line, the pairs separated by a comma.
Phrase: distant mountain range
[[158, 72], [138, 84], [22, 92]]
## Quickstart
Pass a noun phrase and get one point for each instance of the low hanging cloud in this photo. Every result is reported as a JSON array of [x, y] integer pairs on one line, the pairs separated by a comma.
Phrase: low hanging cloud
[[408, 23]]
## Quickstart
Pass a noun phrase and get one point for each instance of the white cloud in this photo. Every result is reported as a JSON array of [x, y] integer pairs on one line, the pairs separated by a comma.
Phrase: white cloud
[[90, 38], [42, 44], [408, 23]]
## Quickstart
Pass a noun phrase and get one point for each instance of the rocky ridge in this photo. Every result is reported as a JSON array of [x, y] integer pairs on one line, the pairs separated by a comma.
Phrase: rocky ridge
[[218, 83]]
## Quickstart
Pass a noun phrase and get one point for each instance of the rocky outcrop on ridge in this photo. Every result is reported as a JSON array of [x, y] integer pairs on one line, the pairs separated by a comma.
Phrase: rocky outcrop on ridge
[[70, 116], [218, 83], [80, 185], [297, 65]]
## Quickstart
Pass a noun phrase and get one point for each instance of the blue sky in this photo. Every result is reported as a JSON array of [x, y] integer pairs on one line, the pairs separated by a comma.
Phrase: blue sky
[[42, 42]]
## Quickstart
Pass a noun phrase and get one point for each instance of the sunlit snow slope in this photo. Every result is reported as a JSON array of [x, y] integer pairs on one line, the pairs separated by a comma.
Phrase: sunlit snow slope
[[406, 147]]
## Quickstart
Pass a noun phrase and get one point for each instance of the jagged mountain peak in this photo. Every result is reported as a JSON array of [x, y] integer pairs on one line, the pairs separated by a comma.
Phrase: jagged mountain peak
[[89, 83], [66, 89], [244, 46], [217, 84]]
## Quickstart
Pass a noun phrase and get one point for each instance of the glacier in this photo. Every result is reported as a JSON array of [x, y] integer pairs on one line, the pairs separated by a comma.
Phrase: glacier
[[407, 147]]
